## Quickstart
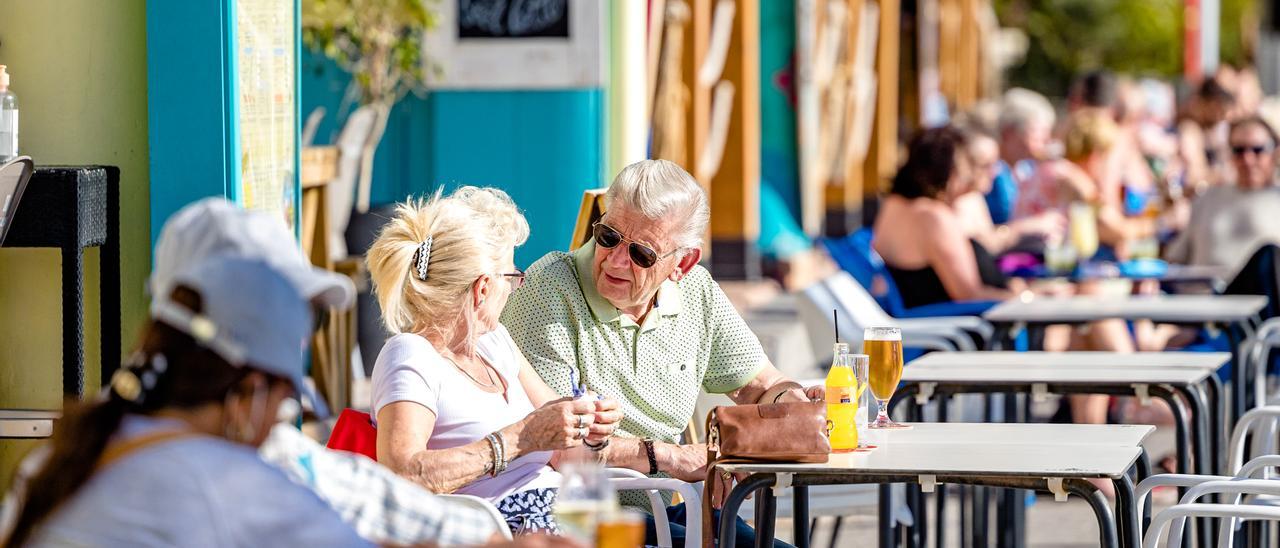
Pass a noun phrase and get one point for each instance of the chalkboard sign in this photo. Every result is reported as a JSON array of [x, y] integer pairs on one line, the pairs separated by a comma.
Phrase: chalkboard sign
[[513, 19]]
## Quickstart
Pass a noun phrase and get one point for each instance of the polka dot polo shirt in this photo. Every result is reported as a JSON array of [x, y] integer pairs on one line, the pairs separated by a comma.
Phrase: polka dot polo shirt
[[692, 340]]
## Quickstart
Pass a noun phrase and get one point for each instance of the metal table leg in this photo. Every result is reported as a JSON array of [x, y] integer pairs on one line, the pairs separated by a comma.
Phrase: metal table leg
[[766, 515], [1101, 509], [733, 503], [885, 517], [1144, 472], [800, 511], [1239, 377], [1217, 422], [1126, 512]]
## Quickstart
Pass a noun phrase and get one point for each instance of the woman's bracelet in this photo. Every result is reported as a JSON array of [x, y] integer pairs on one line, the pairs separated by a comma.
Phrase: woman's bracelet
[[499, 463]]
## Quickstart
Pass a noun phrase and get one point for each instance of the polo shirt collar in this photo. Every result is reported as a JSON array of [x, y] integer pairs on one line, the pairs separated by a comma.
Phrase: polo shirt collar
[[668, 300]]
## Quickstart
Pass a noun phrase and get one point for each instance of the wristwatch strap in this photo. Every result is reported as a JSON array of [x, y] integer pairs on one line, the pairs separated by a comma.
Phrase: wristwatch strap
[[648, 451]]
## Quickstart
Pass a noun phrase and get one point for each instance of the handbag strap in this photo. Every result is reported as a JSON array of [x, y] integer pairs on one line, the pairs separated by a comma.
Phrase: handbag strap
[[712, 481], [118, 450]]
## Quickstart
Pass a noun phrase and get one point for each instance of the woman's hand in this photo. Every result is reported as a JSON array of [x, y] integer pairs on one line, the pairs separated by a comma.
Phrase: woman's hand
[[608, 413], [560, 424]]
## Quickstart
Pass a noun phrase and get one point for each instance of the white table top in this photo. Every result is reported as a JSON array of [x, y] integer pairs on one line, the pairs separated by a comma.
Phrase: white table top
[[1055, 375], [1192, 360], [1070, 435], [1162, 308], [978, 459]]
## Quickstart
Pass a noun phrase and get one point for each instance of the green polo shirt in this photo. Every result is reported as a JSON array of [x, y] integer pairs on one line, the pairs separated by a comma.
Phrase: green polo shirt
[[692, 340]]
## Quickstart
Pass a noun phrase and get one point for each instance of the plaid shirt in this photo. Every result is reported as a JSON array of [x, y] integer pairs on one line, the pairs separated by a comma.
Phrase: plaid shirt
[[380, 505]]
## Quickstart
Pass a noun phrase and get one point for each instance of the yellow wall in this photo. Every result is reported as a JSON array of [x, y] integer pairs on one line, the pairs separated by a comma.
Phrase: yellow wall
[[79, 68]]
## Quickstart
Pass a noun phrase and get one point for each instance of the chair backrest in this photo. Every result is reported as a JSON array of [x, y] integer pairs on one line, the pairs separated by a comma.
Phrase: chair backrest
[[589, 211], [855, 255], [1260, 276], [354, 432], [855, 301], [14, 175]]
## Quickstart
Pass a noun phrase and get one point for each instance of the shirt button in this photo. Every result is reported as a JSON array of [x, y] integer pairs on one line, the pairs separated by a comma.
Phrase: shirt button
[[682, 366]]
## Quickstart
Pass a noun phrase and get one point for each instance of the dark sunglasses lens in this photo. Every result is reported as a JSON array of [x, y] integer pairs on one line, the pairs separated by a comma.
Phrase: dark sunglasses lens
[[607, 237], [642, 256], [1241, 150]]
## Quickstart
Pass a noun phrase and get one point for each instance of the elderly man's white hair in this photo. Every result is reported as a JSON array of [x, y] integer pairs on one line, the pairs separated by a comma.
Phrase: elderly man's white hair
[[661, 189], [1021, 107]]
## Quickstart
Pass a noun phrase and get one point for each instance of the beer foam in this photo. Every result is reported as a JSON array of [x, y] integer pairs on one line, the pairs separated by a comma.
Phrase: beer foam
[[881, 335]]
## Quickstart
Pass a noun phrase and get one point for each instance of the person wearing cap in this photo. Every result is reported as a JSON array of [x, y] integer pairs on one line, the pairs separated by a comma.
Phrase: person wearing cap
[[457, 406], [380, 505], [168, 456]]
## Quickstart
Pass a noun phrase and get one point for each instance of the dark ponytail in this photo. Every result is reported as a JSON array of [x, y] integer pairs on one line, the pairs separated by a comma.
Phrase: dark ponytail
[[174, 371]]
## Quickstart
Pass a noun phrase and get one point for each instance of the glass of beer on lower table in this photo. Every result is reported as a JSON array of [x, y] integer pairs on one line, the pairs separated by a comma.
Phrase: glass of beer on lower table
[[883, 347]]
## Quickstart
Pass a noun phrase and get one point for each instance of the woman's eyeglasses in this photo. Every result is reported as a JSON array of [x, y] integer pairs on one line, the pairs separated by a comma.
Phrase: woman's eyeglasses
[[517, 278], [642, 255]]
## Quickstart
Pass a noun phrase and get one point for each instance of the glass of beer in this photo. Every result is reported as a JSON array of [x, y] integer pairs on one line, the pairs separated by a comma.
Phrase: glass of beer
[[883, 346], [621, 528]]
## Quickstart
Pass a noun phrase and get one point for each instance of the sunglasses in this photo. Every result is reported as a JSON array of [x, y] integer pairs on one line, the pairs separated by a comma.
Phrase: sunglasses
[[642, 255], [517, 278], [1257, 150]]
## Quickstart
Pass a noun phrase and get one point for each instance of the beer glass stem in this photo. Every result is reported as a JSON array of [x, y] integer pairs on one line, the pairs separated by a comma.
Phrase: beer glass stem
[[882, 413]]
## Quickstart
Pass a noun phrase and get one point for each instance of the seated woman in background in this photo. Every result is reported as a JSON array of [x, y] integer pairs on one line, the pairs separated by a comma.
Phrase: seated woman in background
[[167, 457], [922, 238], [975, 217], [458, 408]]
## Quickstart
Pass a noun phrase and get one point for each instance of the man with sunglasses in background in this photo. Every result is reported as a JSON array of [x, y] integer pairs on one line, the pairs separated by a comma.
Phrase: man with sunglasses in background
[[1230, 222], [632, 316]]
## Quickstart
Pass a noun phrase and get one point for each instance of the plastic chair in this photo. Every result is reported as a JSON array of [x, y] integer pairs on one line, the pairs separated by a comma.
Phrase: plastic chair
[[855, 255], [500, 523], [1257, 428], [1178, 514]]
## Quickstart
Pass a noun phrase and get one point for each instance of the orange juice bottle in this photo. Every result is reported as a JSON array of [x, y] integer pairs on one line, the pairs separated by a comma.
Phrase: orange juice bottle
[[842, 405]]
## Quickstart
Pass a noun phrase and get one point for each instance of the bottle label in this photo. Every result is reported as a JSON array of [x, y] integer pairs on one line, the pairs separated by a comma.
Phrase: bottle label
[[839, 394]]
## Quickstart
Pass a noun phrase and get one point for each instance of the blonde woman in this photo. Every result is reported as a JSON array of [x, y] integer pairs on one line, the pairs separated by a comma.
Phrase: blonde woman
[[458, 408]]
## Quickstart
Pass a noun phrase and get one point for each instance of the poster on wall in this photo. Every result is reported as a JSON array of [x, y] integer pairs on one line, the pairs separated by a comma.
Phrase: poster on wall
[[265, 91]]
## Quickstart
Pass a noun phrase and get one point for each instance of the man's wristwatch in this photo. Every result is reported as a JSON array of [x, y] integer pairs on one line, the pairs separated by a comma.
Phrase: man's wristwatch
[[653, 458]]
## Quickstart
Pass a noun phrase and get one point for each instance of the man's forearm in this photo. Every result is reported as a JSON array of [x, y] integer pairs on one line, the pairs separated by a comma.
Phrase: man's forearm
[[679, 461]]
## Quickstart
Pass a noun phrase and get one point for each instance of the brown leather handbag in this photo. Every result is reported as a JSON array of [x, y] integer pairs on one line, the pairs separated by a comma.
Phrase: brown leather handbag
[[777, 432]]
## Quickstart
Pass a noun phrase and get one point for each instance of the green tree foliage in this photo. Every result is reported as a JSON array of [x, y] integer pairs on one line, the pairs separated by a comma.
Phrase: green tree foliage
[[1139, 37]]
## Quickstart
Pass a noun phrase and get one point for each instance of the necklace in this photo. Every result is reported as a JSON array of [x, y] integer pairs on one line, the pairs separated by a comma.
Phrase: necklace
[[487, 371]]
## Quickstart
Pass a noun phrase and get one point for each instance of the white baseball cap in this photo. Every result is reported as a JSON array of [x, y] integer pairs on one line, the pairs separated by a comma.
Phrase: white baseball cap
[[251, 316], [215, 225]]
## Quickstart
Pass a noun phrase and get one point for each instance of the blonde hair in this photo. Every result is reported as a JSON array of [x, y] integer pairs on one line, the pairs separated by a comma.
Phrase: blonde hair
[[658, 189], [1089, 131], [470, 230]]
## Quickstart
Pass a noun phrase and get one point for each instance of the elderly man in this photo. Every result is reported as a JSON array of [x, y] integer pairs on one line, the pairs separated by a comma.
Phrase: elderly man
[[631, 315]]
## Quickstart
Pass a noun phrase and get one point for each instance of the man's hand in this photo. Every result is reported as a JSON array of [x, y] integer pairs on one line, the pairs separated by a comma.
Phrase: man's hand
[[683, 462]]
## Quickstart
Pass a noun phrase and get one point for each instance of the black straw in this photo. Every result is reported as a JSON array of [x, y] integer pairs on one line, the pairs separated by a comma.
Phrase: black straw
[[836, 320]]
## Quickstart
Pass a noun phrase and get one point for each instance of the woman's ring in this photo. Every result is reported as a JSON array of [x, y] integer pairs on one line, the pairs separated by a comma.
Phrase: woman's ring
[[582, 421], [582, 433]]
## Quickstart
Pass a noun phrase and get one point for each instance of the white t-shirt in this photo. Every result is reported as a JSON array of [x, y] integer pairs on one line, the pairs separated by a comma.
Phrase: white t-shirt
[[198, 491], [410, 369]]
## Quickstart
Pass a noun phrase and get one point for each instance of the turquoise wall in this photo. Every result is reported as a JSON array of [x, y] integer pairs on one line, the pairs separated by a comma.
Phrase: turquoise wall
[[542, 147]]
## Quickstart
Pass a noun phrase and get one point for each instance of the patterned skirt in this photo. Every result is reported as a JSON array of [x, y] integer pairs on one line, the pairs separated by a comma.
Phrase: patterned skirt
[[529, 511]]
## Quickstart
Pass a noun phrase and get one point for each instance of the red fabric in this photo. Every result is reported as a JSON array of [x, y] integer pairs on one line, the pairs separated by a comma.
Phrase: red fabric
[[354, 432]]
